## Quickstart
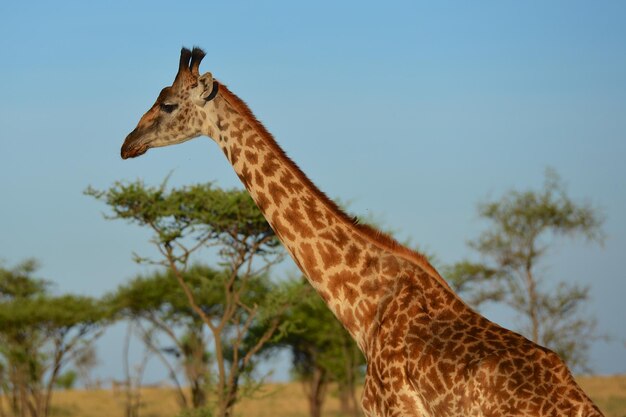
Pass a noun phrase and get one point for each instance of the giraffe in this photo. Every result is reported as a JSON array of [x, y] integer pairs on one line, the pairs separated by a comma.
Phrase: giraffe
[[427, 352]]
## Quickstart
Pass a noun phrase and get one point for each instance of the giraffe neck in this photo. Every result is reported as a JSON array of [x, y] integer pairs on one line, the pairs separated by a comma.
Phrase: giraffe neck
[[348, 264]]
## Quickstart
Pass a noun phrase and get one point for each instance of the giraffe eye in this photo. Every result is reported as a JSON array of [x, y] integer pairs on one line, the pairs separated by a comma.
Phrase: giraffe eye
[[168, 107]]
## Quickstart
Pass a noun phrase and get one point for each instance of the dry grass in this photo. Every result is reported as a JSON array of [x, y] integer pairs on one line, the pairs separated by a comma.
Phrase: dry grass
[[608, 392], [272, 400], [280, 400]]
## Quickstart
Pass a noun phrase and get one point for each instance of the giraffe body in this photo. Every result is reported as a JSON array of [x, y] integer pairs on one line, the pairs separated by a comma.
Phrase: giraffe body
[[428, 353]]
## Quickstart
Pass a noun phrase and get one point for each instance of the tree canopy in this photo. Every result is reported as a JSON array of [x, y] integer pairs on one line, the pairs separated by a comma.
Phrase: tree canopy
[[39, 335]]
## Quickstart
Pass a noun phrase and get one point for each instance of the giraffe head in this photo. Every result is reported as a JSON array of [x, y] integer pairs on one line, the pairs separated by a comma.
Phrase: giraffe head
[[179, 112]]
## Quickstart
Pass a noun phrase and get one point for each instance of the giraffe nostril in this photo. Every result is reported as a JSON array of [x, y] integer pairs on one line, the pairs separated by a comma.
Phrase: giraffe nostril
[[132, 151], [132, 146]]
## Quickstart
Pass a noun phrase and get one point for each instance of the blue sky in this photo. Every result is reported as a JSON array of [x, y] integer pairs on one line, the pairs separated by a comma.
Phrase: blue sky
[[412, 111]]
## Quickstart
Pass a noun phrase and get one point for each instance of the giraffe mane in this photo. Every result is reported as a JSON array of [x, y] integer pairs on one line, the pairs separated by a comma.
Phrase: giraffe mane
[[371, 233]]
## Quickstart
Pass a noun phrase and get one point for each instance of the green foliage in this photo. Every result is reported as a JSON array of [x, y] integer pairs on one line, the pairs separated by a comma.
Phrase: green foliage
[[18, 283], [523, 226], [159, 295], [66, 380], [52, 314], [202, 211]]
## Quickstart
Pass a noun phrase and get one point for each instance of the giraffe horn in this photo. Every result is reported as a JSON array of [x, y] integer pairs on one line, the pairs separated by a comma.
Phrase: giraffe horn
[[196, 57], [183, 65]]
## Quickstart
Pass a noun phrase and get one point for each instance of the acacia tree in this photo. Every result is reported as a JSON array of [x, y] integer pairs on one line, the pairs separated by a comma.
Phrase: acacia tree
[[523, 226], [169, 327], [188, 219], [39, 335]]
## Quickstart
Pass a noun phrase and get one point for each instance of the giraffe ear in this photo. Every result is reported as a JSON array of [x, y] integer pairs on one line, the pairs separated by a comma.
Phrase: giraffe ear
[[209, 87]]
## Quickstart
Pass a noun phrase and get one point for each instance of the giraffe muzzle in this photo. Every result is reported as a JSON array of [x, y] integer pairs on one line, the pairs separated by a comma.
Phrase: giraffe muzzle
[[133, 147]]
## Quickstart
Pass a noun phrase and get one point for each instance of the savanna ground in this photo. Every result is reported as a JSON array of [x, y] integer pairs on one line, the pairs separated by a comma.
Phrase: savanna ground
[[281, 400]]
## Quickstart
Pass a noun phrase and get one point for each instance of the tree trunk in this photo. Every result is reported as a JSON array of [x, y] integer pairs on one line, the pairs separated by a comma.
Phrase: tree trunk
[[348, 403], [47, 395], [344, 400], [229, 397], [531, 287], [198, 394], [195, 368], [317, 392], [23, 396], [2, 412], [347, 388]]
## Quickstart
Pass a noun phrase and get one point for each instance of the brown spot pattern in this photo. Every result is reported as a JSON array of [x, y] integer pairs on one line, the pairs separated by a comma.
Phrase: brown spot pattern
[[330, 256], [270, 165], [277, 193], [252, 157], [296, 222]]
